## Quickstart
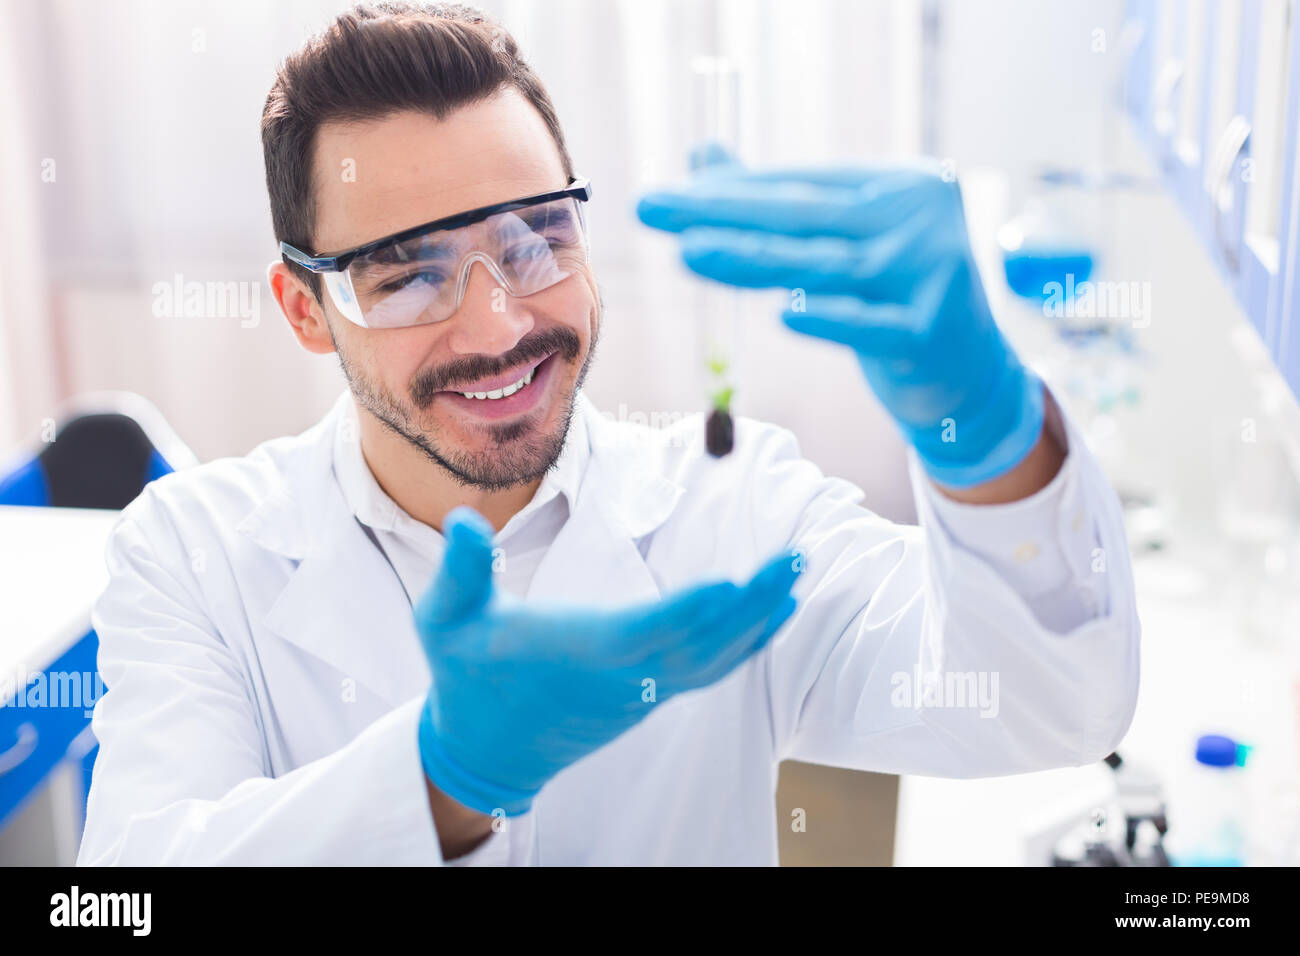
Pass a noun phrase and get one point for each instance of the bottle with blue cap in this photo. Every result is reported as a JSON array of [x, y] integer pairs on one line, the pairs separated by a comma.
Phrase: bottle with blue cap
[[1207, 820]]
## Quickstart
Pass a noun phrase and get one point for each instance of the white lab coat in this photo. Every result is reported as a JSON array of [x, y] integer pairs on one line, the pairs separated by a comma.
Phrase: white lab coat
[[264, 676]]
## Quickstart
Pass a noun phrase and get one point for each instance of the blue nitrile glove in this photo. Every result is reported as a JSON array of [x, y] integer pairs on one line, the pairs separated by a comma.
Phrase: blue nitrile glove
[[520, 692], [884, 262]]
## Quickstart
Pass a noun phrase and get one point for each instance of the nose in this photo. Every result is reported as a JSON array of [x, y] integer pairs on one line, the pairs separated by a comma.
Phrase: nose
[[489, 321]]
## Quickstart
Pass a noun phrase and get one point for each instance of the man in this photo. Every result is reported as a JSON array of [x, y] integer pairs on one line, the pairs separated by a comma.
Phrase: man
[[466, 619]]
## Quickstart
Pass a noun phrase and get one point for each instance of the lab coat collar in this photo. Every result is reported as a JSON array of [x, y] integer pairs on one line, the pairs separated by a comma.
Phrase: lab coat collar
[[343, 603], [623, 497]]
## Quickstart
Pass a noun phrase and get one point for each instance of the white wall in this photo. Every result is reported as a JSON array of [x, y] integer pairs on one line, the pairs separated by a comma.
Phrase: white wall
[[28, 356]]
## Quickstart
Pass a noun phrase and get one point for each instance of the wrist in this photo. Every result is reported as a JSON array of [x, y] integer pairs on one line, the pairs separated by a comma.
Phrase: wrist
[[460, 830], [463, 785], [1039, 469], [989, 437]]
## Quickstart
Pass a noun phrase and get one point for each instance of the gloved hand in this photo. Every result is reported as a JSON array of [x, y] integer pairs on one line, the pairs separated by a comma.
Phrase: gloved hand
[[520, 692], [884, 262]]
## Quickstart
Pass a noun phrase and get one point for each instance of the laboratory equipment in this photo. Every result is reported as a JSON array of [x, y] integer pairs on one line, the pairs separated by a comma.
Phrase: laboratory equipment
[[1208, 825], [1128, 832], [720, 429], [715, 142], [1048, 249]]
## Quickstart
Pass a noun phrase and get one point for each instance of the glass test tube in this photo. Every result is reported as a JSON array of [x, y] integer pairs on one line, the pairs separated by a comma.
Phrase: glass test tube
[[716, 122]]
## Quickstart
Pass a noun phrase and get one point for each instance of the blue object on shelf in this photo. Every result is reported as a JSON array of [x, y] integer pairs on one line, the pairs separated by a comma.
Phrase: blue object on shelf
[[1215, 750], [1031, 273], [1048, 247]]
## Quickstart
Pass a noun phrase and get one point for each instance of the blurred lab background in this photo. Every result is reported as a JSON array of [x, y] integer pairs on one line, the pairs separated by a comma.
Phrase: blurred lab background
[[1144, 150]]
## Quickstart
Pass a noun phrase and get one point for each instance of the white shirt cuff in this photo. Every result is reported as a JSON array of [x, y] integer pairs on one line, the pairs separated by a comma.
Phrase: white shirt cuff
[[1043, 546]]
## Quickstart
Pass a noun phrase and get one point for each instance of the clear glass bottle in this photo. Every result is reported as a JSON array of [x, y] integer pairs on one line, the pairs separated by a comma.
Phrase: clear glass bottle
[[1207, 821], [715, 135]]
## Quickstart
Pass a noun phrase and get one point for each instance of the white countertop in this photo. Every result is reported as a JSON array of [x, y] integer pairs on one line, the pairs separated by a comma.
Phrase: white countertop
[[51, 573], [1205, 669]]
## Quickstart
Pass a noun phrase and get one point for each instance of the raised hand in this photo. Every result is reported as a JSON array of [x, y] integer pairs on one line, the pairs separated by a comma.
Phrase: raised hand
[[519, 692]]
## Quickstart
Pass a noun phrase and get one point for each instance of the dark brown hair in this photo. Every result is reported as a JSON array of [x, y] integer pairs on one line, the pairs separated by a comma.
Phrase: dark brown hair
[[374, 60]]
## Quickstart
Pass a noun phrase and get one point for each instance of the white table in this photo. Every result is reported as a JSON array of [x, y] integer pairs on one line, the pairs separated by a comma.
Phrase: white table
[[51, 572]]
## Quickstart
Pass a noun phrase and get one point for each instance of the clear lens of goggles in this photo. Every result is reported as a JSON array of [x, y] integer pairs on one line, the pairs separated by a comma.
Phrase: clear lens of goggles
[[423, 280]]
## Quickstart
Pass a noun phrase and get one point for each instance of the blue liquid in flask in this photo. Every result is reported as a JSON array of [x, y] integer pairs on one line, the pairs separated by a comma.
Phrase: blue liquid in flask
[[1032, 272]]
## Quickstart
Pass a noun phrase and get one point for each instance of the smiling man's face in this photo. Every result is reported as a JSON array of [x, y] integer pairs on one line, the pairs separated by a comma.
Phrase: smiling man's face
[[378, 177]]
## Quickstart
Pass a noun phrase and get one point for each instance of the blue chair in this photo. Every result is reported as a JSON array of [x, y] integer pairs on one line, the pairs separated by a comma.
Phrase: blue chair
[[107, 446]]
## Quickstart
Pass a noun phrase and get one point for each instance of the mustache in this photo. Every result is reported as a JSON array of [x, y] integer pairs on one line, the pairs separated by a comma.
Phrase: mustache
[[535, 345]]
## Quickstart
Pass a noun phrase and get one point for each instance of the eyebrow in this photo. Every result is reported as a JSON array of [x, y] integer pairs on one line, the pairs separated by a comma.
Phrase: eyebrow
[[430, 250], [557, 215]]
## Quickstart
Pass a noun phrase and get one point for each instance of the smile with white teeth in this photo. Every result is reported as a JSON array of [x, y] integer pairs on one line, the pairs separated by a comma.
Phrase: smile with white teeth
[[503, 392]]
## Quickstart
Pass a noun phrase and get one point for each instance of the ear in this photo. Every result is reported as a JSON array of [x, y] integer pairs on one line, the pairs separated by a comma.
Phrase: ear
[[305, 314]]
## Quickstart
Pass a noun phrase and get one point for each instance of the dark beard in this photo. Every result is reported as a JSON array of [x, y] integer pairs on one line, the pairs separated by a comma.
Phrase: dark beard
[[516, 458]]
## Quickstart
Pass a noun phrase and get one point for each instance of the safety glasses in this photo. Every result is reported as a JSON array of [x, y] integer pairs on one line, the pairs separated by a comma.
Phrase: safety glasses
[[419, 276]]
